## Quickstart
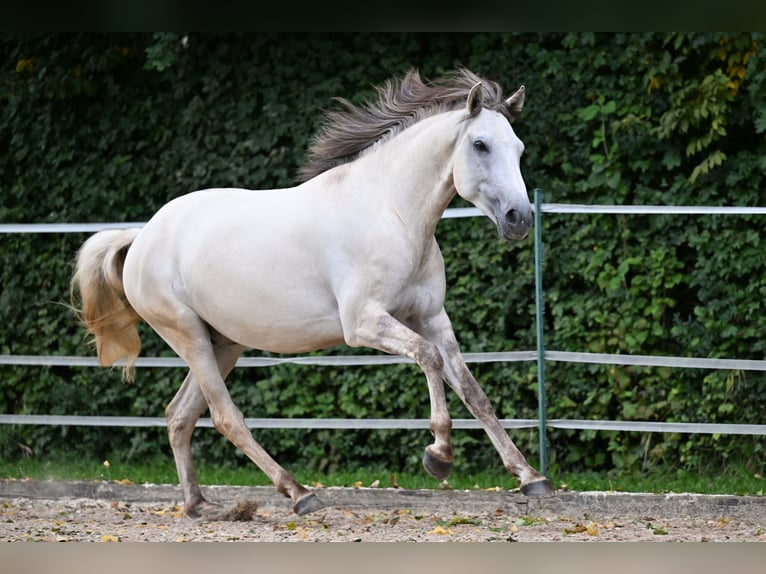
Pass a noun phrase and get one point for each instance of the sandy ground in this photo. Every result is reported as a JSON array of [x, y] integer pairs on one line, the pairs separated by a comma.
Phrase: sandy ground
[[84, 519]]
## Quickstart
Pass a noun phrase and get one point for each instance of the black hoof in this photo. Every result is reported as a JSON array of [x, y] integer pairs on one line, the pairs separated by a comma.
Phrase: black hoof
[[308, 503], [439, 469], [538, 488]]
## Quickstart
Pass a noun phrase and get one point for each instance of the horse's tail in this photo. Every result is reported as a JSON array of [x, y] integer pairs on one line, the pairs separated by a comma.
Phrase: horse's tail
[[103, 307]]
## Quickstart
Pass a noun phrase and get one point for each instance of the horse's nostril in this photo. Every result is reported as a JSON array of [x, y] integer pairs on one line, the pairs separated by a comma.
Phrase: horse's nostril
[[512, 217]]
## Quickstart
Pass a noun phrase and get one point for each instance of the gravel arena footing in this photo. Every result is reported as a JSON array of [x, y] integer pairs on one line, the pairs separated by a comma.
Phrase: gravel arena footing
[[70, 511]]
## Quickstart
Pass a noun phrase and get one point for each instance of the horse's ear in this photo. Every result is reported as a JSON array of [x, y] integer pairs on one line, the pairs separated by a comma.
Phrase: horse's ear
[[515, 103], [475, 99]]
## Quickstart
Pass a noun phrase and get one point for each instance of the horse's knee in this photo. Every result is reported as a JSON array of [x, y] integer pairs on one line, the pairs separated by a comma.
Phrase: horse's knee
[[428, 355]]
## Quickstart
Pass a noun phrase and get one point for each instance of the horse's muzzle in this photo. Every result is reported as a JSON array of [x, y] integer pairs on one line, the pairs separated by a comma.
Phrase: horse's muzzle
[[515, 223]]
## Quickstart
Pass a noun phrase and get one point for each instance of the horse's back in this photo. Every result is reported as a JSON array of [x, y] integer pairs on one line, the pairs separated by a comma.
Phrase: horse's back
[[200, 226]]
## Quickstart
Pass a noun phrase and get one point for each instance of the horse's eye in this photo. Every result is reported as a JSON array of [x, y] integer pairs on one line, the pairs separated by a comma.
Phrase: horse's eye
[[480, 146]]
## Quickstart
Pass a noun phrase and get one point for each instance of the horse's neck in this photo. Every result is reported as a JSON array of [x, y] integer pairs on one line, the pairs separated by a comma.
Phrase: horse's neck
[[417, 170]]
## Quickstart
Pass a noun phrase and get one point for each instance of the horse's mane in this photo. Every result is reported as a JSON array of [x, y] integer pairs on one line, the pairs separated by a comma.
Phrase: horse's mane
[[350, 131]]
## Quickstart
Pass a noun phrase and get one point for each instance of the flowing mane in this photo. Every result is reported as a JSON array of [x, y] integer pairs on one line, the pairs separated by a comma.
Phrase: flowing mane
[[349, 132]]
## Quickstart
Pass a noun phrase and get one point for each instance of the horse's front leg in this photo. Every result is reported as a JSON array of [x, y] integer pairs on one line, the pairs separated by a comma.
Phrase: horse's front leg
[[459, 377], [381, 331]]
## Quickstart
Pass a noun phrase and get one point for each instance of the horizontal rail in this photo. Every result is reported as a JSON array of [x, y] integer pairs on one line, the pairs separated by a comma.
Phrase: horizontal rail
[[656, 361], [360, 360], [392, 424], [321, 360], [452, 213], [65, 227], [652, 209]]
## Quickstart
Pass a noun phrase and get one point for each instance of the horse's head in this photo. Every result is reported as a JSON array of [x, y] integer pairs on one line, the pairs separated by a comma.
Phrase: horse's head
[[486, 166]]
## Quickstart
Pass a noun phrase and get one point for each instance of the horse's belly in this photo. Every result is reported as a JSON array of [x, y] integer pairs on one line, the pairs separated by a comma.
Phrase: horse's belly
[[269, 330], [277, 312]]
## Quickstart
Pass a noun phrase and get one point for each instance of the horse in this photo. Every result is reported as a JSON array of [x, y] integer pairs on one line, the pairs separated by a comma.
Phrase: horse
[[346, 256]]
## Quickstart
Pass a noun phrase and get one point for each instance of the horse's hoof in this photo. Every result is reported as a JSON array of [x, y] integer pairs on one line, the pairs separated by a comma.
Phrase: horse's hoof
[[308, 503], [538, 488], [436, 467]]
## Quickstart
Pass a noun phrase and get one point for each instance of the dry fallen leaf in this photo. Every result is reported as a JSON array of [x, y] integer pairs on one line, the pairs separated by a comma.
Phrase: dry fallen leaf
[[441, 531], [722, 521], [110, 538], [576, 529]]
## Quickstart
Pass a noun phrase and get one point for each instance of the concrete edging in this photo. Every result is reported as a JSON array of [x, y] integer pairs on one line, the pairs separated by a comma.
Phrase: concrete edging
[[597, 504]]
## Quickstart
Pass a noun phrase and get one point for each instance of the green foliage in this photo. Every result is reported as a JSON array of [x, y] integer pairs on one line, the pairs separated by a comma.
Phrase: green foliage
[[109, 127]]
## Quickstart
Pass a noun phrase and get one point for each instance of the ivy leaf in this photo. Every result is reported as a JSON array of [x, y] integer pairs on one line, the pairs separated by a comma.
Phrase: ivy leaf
[[587, 114]]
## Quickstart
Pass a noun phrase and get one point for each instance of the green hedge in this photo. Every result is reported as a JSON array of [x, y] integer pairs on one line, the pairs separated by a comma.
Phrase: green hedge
[[109, 127]]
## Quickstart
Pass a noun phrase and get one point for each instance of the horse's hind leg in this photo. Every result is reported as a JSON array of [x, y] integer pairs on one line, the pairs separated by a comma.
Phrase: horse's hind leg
[[189, 337], [182, 414]]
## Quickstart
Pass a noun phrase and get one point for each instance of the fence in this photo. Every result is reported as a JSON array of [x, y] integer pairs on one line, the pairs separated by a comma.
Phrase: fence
[[541, 355]]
